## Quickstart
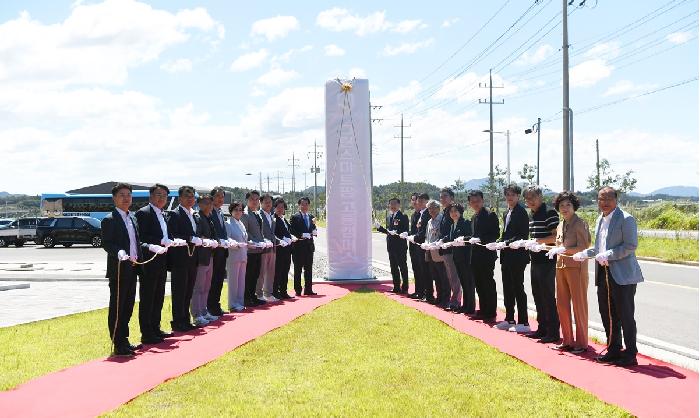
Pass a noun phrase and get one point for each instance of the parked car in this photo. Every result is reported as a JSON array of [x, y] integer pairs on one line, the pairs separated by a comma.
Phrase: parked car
[[69, 230], [5, 221], [18, 232]]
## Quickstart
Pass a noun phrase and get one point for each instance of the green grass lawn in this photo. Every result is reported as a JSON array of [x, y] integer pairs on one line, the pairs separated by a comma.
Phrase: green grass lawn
[[365, 355], [668, 249]]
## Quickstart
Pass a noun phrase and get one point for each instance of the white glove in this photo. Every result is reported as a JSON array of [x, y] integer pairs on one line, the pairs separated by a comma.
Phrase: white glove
[[206, 243], [314, 233], [377, 225], [287, 240], [538, 247], [133, 259], [403, 235], [602, 258], [214, 243], [196, 241], [458, 243], [305, 235], [156, 249], [474, 240], [460, 238], [529, 244], [516, 244], [501, 245], [425, 246], [294, 238], [392, 232], [554, 251], [446, 245], [165, 242], [223, 243], [122, 255], [411, 238], [178, 242], [493, 246], [580, 256]]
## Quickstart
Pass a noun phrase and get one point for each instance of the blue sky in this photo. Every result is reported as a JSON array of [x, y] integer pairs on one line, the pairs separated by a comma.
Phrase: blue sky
[[204, 92]]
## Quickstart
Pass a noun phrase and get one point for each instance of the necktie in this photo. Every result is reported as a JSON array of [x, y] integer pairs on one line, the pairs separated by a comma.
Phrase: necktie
[[306, 221]]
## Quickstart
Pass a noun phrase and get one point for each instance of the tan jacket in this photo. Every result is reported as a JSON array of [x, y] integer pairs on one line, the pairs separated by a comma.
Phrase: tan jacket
[[574, 236]]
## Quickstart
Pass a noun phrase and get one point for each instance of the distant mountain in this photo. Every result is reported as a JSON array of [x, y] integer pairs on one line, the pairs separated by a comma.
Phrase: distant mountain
[[3, 194], [678, 191], [475, 183]]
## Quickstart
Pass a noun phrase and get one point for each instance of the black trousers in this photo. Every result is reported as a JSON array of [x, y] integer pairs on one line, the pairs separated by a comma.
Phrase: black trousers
[[418, 264], [466, 279], [217, 280], [513, 277], [283, 261], [442, 285], [151, 295], [399, 268], [485, 287], [122, 293], [252, 272], [622, 311], [543, 277], [303, 258], [182, 278]]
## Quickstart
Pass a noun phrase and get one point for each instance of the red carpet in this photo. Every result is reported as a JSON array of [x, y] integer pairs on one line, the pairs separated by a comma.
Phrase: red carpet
[[102, 385], [652, 389]]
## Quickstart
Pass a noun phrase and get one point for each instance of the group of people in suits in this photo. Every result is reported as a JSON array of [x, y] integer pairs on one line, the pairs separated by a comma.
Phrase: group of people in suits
[[252, 250], [453, 260]]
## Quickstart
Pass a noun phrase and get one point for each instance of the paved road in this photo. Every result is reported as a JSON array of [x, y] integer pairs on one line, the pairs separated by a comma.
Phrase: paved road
[[667, 303]]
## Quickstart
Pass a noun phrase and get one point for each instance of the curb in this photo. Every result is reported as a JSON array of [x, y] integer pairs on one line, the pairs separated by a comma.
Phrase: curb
[[660, 260]]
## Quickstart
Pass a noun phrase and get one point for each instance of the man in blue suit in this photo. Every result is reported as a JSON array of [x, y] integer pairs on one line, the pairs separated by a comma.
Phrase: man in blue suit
[[616, 276]]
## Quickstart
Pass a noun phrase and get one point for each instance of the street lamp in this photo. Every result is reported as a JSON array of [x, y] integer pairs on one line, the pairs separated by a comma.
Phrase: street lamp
[[507, 134], [536, 128]]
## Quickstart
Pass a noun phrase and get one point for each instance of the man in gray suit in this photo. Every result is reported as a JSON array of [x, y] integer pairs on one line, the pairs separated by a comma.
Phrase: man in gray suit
[[617, 274], [264, 287], [253, 224]]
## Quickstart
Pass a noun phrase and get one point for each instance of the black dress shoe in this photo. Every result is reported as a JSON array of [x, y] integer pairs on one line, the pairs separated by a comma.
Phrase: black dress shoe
[[395, 290], [535, 335], [310, 293], [625, 361], [414, 295], [217, 312], [164, 334], [260, 301], [124, 351], [549, 339], [285, 295], [152, 339], [608, 357], [135, 347]]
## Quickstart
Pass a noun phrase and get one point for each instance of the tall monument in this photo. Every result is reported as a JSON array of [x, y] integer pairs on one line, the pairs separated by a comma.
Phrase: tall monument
[[348, 191]]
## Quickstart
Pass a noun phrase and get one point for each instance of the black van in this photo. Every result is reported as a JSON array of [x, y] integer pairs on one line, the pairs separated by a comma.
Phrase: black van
[[69, 230]]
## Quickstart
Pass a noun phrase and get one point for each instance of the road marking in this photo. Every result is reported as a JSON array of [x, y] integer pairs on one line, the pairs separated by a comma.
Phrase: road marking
[[670, 284]]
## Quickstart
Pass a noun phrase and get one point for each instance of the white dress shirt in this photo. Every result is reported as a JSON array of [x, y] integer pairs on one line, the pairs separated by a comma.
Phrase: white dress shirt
[[268, 216], [161, 220], [507, 219], [133, 253], [190, 214], [603, 232]]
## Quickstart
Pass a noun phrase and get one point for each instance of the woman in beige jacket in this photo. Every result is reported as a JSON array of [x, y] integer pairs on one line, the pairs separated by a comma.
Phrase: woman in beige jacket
[[572, 276]]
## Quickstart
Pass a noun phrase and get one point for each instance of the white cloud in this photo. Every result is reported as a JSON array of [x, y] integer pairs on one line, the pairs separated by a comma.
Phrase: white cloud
[[589, 73], [288, 55], [333, 50], [406, 26], [339, 20], [626, 86], [449, 22], [274, 28], [407, 47], [185, 116], [679, 37], [250, 60], [276, 76], [606, 50], [401, 94], [177, 66], [96, 43], [539, 55]]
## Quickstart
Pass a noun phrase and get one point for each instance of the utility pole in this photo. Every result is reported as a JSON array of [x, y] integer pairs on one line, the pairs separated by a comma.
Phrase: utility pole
[[268, 182], [539, 125], [260, 174], [597, 165], [565, 106], [508, 156], [490, 103], [293, 164], [278, 177], [316, 170]]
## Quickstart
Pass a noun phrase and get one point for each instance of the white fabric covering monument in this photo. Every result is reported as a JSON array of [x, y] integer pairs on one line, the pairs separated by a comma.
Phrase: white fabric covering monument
[[348, 190]]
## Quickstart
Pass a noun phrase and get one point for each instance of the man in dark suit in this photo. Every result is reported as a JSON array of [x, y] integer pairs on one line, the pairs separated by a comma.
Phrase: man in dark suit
[[153, 232], [396, 223], [120, 239], [514, 259], [424, 283], [283, 258], [485, 230], [182, 259], [253, 223], [303, 227], [220, 253]]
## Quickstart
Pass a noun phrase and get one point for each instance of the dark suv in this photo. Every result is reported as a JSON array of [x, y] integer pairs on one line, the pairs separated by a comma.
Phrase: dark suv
[[69, 230]]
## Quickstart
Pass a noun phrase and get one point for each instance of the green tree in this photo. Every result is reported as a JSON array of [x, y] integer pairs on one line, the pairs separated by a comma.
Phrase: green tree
[[528, 173], [605, 176], [493, 188]]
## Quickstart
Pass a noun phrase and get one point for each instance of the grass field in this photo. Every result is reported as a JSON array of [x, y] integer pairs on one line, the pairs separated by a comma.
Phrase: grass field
[[365, 355], [668, 249]]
